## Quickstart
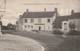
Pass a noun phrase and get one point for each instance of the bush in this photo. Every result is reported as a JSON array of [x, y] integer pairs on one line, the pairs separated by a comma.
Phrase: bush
[[73, 32], [35, 30], [57, 32]]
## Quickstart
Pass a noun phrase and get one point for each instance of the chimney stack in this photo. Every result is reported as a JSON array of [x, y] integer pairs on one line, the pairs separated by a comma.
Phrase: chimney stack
[[45, 9], [20, 16], [72, 12], [27, 10], [56, 11]]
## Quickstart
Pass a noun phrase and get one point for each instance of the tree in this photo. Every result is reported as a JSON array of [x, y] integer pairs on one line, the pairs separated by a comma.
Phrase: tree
[[11, 26], [72, 26], [72, 31]]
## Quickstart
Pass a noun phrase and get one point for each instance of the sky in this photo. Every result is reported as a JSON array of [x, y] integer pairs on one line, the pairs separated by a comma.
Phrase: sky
[[14, 8]]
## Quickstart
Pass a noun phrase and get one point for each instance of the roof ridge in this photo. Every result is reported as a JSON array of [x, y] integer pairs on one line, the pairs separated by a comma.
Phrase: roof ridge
[[39, 11], [38, 14]]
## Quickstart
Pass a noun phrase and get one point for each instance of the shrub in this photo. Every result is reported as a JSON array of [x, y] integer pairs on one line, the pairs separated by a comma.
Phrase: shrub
[[73, 32], [57, 32], [35, 30]]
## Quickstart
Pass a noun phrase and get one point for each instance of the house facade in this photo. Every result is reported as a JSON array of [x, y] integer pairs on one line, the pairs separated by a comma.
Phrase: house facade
[[63, 22], [65, 26], [40, 21], [76, 22]]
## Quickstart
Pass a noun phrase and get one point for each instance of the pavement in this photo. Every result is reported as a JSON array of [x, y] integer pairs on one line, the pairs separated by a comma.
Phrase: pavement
[[10, 42]]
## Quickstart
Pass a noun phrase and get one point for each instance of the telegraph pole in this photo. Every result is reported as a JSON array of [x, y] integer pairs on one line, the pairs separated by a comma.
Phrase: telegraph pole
[[3, 13]]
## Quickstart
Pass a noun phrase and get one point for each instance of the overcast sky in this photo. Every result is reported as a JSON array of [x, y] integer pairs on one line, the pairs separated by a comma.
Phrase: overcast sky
[[14, 8]]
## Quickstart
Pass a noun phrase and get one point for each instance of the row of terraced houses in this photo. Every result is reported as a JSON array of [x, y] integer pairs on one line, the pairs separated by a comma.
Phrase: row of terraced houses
[[47, 21]]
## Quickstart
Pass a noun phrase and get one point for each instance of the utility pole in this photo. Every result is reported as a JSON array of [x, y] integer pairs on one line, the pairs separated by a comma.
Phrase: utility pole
[[3, 11], [2, 8]]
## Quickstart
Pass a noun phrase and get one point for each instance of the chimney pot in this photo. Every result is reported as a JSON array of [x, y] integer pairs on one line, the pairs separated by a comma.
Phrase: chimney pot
[[20, 16], [55, 9], [72, 12], [27, 10], [44, 9]]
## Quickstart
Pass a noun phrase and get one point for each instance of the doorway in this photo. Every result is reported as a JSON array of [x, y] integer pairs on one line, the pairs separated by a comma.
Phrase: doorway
[[39, 28]]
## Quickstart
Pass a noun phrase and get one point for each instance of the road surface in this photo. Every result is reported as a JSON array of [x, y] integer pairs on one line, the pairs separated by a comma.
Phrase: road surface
[[18, 43], [49, 41]]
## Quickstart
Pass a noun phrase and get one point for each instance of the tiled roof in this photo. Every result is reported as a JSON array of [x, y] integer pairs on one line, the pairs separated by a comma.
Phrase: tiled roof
[[38, 14]]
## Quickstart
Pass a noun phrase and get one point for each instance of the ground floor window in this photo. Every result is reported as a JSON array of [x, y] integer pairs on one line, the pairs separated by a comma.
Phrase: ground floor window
[[28, 26], [31, 26], [25, 26]]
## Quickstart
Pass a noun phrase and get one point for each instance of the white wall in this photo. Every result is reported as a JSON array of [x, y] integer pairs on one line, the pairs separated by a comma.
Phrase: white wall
[[77, 23], [46, 26], [65, 28]]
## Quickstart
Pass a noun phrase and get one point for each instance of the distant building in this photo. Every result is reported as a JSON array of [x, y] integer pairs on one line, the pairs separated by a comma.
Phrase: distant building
[[47, 21], [41, 21], [76, 22], [62, 22]]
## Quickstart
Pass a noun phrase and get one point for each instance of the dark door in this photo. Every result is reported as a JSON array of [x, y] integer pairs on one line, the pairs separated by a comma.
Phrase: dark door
[[39, 28]]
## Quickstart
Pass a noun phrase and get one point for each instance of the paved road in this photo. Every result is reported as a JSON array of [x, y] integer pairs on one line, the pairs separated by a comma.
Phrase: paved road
[[49, 41], [18, 43]]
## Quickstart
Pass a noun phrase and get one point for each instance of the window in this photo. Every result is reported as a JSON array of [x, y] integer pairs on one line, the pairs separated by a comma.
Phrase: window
[[26, 20], [65, 28], [48, 20], [53, 23], [32, 20], [25, 26], [28, 26], [65, 23]]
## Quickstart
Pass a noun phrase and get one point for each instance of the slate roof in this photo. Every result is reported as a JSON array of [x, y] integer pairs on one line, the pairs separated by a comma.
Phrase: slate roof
[[38, 14], [76, 16], [59, 19]]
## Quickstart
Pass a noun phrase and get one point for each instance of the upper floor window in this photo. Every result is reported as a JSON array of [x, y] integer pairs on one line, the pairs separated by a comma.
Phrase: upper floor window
[[65, 23], [32, 20], [48, 20], [26, 20], [25, 26], [28, 26]]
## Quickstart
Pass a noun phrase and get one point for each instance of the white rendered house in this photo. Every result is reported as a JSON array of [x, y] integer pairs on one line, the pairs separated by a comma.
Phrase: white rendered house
[[41, 21], [65, 26]]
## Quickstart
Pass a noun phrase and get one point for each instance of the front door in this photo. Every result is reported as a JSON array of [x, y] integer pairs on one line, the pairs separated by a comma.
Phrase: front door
[[39, 28]]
